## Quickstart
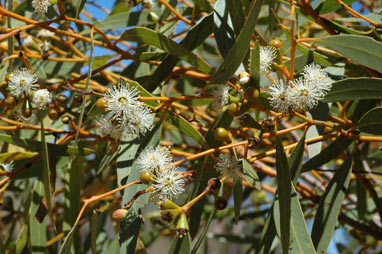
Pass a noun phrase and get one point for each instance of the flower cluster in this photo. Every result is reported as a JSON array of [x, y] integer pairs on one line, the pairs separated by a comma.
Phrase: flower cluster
[[41, 6], [167, 181], [127, 115], [229, 168], [301, 94]]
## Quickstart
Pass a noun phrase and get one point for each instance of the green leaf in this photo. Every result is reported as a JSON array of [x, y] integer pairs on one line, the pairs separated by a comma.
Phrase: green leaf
[[33, 145], [301, 241], [330, 152], [237, 199], [329, 207], [195, 36], [295, 160], [235, 9], [250, 175], [360, 49], [355, 89], [181, 245], [204, 232], [184, 126], [73, 183], [22, 239], [284, 192], [46, 170], [93, 231], [255, 65], [268, 234], [371, 122], [130, 225], [145, 35], [223, 29], [238, 51], [360, 189], [99, 61], [37, 229]]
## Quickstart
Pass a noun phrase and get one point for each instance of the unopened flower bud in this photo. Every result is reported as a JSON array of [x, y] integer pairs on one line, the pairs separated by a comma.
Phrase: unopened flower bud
[[119, 214]]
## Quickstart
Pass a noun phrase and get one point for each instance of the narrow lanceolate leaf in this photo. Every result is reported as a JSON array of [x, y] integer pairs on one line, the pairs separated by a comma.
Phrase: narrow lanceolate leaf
[[37, 226], [255, 65], [237, 198], [329, 153], [363, 50], [371, 122], [238, 51], [223, 29], [181, 245], [250, 175], [355, 89], [46, 170], [145, 35], [295, 160], [301, 241], [195, 36], [268, 234], [33, 145], [329, 207], [284, 192]]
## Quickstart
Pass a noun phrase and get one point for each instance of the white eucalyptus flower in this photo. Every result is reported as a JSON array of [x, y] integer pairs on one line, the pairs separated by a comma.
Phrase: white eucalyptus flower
[[168, 183], [45, 34], [44, 47], [9, 167], [317, 77], [21, 82], [220, 95], [41, 98], [110, 127], [147, 4], [121, 100], [279, 96], [41, 6], [28, 41], [228, 167], [123, 103], [153, 159], [139, 121], [267, 56], [304, 95]]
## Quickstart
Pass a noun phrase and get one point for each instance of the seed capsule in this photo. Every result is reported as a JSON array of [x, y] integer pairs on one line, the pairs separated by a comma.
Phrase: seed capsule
[[26, 112], [221, 134], [234, 109], [119, 214], [101, 104], [147, 177], [220, 203], [53, 114], [276, 43]]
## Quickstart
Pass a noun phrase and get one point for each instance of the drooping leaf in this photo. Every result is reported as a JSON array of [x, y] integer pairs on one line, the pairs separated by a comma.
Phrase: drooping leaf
[[355, 89], [371, 122], [329, 153], [181, 245], [295, 160], [223, 29], [237, 199], [33, 145], [284, 193], [250, 175], [329, 207], [238, 51], [37, 228], [360, 49], [145, 35]]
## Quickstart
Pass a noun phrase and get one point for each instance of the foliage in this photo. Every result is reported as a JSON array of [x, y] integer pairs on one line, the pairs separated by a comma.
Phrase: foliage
[[254, 125]]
